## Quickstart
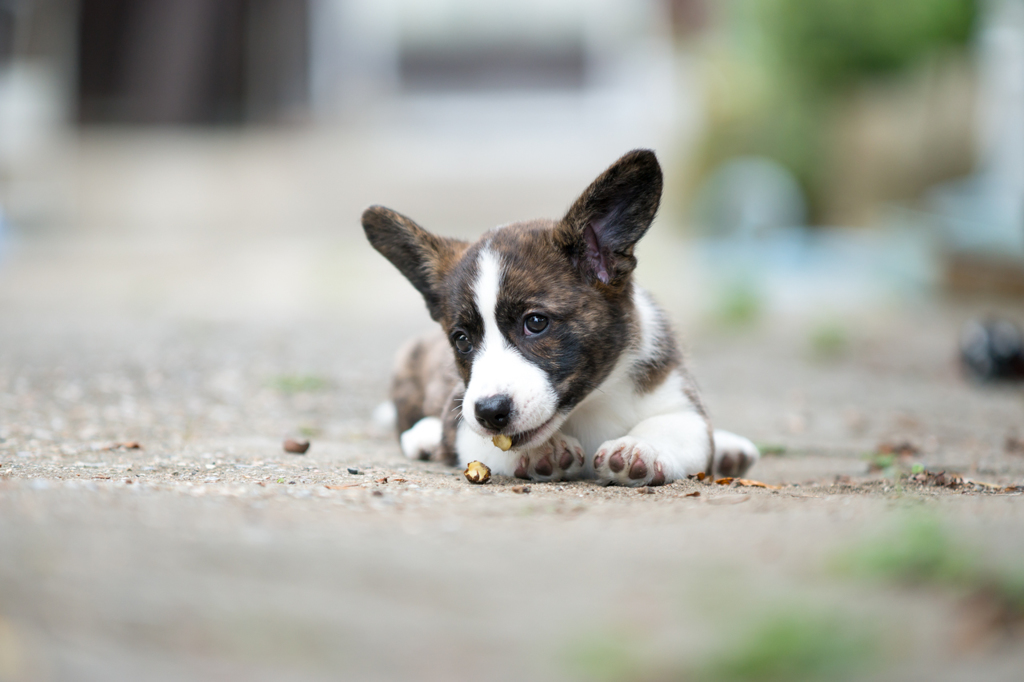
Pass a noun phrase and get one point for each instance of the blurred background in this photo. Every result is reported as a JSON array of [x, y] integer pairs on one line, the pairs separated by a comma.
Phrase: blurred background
[[184, 282], [846, 153]]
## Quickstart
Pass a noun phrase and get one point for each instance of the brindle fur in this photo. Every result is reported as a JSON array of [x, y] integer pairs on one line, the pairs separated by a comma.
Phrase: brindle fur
[[576, 270]]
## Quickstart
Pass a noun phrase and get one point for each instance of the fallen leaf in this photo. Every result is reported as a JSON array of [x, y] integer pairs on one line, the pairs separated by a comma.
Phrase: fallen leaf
[[724, 481], [382, 480], [902, 448], [756, 484], [695, 493], [127, 445], [343, 487]]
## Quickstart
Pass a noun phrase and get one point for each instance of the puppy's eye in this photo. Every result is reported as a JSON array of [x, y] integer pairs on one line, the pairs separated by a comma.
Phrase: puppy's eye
[[462, 343], [535, 324]]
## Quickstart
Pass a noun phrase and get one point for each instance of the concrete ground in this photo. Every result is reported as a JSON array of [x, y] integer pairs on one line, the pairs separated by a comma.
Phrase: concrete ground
[[209, 297]]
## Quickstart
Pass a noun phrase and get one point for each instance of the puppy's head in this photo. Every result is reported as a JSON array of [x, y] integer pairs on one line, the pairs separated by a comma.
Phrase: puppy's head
[[537, 312]]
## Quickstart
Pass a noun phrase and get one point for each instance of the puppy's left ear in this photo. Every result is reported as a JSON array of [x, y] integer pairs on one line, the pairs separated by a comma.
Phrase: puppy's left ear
[[601, 229]]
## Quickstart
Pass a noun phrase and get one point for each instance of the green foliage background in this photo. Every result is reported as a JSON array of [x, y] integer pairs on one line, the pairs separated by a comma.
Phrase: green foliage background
[[783, 65]]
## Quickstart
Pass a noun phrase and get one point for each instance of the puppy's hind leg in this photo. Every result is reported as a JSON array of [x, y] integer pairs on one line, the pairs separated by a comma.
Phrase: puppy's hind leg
[[734, 455]]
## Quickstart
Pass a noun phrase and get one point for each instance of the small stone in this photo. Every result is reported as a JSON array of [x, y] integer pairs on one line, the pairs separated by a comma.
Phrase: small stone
[[520, 489], [353, 471], [296, 447]]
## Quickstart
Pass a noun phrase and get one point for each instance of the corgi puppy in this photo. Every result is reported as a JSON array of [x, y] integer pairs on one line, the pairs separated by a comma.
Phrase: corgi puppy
[[548, 347]]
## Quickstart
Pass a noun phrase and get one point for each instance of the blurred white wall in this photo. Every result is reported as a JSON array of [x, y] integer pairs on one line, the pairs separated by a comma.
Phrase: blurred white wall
[[364, 52]]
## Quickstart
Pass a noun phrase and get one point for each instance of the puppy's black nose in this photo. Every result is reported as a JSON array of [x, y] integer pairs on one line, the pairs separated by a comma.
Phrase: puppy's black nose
[[493, 411]]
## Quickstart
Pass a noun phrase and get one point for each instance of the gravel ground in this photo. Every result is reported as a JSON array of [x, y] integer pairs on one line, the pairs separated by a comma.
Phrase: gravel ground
[[210, 553], [207, 552]]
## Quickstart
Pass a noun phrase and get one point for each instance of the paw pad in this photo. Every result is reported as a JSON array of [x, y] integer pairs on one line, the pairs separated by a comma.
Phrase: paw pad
[[616, 463], [559, 459], [638, 468]]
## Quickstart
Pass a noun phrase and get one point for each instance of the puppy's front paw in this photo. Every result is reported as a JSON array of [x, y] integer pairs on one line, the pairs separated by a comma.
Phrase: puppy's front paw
[[560, 459], [734, 455], [628, 461]]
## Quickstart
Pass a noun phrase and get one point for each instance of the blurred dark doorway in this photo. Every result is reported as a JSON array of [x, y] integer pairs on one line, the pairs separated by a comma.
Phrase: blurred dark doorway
[[192, 61]]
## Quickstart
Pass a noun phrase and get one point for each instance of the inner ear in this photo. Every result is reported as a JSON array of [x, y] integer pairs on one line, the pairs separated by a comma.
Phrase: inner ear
[[595, 261], [603, 226]]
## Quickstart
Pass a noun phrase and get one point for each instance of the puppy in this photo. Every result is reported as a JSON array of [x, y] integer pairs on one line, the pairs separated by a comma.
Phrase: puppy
[[546, 339]]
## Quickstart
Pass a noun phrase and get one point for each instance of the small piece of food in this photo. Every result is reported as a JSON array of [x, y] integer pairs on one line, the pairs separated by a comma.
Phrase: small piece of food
[[503, 443], [296, 447], [477, 472]]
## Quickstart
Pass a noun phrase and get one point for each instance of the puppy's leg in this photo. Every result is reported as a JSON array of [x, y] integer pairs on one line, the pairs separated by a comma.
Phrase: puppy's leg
[[559, 459], [423, 440], [656, 451], [734, 455]]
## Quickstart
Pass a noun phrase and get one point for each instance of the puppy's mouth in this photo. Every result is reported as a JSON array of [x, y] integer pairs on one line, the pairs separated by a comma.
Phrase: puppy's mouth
[[537, 435]]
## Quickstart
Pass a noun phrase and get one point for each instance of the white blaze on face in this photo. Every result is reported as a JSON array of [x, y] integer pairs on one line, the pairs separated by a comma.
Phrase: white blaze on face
[[498, 367]]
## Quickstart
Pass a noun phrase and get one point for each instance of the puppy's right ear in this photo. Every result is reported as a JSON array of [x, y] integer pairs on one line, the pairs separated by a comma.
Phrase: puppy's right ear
[[425, 259]]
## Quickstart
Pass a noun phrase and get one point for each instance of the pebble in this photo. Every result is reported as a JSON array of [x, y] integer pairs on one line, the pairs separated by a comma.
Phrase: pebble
[[296, 447]]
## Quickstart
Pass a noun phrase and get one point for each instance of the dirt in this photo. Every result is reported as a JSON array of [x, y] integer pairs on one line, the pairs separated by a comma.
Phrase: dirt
[[208, 552]]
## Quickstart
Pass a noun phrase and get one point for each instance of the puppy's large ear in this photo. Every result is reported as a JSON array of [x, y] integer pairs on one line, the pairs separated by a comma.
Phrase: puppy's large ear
[[424, 258], [601, 229]]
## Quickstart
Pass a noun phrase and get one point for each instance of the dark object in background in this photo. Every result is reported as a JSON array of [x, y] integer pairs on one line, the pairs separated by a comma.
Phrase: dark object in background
[[192, 61], [992, 350], [296, 447]]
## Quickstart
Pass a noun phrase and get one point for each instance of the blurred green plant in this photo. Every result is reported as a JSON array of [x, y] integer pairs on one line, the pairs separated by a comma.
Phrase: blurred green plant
[[921, 551], [793, 644], [829, 341], [608, 657], [797, 646], [739, 305], [775, 77], [298, 383], [830, 44]]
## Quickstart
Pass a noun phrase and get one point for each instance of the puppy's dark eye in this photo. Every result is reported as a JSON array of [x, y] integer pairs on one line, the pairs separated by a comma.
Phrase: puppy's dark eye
[[462, 343], [535, 324]]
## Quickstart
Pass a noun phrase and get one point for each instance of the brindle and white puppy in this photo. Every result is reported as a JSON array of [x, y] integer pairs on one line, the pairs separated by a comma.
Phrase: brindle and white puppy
[[546, 339]]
